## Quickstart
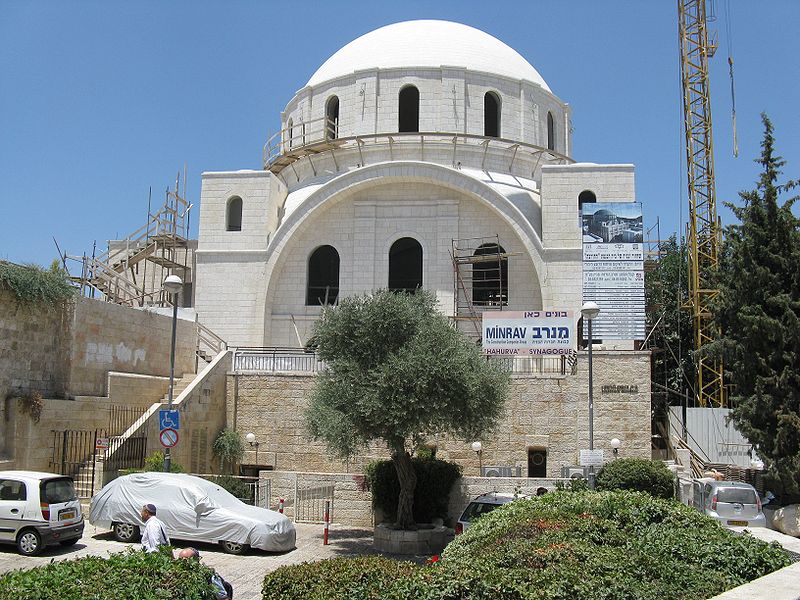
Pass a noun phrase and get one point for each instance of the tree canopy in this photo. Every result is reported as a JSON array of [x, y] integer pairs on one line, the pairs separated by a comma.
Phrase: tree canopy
[[398, 372], [758, 311]]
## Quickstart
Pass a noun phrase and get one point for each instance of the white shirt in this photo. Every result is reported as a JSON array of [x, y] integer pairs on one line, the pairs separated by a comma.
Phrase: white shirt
[[154, 535]]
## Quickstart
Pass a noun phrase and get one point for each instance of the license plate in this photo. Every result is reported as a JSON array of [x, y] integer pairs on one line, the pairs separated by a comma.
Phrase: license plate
[[66, 515], [738, 523]]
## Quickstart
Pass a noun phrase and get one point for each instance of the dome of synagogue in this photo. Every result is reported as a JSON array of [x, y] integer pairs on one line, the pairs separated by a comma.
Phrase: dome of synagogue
[[428, 44]]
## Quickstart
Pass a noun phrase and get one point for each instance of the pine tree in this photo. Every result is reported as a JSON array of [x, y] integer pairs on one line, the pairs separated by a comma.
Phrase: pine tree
[[758, 311]]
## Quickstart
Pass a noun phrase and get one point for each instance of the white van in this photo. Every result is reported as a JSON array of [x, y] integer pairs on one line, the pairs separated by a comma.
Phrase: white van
[[38, 510]]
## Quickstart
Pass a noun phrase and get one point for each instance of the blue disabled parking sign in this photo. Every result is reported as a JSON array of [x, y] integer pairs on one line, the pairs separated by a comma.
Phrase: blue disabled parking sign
[[169, 419]]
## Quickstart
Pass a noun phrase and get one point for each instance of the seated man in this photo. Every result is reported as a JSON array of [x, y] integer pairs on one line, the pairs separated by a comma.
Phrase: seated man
[[222, 589]]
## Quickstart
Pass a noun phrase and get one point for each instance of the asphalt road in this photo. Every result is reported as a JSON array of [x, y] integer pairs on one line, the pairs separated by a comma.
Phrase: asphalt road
[[245, 572]]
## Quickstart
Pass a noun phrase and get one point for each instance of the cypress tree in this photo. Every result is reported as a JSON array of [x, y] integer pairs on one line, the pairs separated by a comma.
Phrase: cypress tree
[[758, 311]]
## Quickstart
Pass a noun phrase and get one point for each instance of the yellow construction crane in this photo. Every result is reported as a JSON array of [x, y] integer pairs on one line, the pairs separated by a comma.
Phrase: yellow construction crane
[[704, 228]]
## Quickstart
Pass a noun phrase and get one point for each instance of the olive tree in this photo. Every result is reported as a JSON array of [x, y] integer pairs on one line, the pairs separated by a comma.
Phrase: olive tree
[[397, 371]]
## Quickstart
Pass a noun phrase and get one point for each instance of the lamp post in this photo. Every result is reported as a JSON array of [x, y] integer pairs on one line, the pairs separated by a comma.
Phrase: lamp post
[[173, 285], [477, 448], [615, 444], [251, 439], [590, 310]]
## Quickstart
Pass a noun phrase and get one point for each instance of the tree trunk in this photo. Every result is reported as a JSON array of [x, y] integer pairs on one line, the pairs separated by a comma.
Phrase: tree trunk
[[408, 482]]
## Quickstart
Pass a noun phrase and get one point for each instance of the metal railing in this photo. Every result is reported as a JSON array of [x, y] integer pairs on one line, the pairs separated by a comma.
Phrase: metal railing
[[276, 359], [538, 365]]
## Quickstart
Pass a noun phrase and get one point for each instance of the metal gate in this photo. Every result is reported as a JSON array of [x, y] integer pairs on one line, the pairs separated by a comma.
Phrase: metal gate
[[74, 449], [309, 506], [261, 492]]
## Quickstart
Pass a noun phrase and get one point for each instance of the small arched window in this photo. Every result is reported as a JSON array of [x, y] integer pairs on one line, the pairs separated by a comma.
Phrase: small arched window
[[290, 133], [408, 110], [490, 276], [405, 265], [586, 197], [323, 277], [233, 218], [491, 115], [551, 132], [332, 118]]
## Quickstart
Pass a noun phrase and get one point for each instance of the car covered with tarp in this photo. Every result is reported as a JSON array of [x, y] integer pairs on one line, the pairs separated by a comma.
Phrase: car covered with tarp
[[192, 509]]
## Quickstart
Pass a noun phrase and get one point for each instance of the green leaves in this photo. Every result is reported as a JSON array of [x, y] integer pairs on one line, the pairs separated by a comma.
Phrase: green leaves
[[228, 447], [637, 474], [32, 284]]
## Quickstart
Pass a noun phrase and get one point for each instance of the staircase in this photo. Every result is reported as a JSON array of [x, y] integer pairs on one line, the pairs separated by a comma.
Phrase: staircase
[[94, 466]]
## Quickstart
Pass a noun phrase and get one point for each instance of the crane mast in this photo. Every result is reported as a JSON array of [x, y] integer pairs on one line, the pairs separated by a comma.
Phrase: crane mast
[[704, 229]]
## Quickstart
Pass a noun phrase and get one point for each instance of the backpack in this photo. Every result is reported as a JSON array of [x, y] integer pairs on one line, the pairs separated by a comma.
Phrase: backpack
[[228, 587]]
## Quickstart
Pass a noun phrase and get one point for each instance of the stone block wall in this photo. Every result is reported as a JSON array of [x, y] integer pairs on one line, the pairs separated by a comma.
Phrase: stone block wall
[[549, 413]]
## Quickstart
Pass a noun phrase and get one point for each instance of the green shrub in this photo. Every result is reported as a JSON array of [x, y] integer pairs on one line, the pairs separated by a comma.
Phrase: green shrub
[[130, 575], [637, 474], [228, 448], [32, 284], [360, 577], [155, 462], [435, 478], [561, 546]]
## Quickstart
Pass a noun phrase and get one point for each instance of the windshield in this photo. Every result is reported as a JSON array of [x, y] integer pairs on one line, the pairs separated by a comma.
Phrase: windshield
[[476, 509], [736, 496], [58, 491]]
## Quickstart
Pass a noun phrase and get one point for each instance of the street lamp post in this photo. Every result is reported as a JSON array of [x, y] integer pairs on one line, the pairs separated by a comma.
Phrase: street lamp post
[[477, 448], [590, 310], [250, 438], [173, 285], [615, 444]]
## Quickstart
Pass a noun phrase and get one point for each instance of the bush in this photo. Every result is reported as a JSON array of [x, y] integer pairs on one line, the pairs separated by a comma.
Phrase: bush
[[228, 448], [31, 284], [637, 474], [360, 577], [237, 487], [435, 478], [130, 575], [563, 545], [155, 462]]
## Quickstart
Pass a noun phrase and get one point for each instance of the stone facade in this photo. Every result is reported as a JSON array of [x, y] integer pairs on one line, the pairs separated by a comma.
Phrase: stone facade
[[542, 413]]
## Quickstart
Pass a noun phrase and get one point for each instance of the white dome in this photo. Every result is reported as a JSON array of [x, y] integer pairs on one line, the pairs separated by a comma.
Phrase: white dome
[[427, 44]]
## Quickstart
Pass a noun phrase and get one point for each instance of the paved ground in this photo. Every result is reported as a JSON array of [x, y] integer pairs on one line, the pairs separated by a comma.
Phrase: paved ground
[[245, 572]]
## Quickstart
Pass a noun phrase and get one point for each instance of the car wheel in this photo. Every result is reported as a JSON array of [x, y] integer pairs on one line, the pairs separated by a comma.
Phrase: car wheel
[[29, 542], [233, 547], [125, 532], [67, 543]]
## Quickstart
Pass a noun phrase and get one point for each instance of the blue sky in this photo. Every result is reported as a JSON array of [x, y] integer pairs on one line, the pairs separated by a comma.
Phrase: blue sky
[[101, 100]]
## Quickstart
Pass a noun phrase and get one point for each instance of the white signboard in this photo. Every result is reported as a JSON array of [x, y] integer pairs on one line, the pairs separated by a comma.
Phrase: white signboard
[[620, 251], [592, 458], [528, 333]]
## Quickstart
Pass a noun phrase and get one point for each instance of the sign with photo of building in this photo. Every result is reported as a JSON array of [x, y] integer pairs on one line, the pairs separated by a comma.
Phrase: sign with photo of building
[[613, 268]]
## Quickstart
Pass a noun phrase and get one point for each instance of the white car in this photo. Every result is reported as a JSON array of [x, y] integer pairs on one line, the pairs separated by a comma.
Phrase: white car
[[192, 509], [481, 505], [37, 510]]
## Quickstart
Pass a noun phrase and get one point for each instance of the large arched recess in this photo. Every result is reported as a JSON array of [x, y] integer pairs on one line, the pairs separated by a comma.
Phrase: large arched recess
[[392, 173]]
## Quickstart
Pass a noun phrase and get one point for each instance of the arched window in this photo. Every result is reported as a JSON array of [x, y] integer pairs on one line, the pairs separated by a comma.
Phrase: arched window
[[490, 276], [323, 277], [491, 115], [408, 110], [405, 265], [585, 197], [290, 133], [332, 118], [551, 132], [233, 218]]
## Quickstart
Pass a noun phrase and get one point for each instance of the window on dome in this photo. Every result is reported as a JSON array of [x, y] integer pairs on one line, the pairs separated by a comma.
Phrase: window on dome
[[551, 132], [405, 265], [491, 115], [289, 133], [332, 118], [323, 277], [490, 276], [233, 220], [408, 110]]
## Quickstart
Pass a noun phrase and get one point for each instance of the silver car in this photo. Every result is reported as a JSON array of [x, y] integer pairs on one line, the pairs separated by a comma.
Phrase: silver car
[[191, 509], [730, 502]]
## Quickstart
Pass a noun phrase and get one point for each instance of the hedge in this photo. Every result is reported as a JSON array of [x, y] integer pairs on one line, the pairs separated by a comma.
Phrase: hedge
[[435, 478], [637, 474], [129, 575], [564, 545]]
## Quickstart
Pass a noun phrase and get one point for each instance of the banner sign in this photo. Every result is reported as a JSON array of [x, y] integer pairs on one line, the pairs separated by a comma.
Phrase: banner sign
[[528, 333], [613, 268]]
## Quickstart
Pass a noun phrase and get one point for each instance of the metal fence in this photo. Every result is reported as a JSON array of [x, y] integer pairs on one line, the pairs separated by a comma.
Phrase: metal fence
[[538, 365], [309, 506], [73, 449], [270, 360]]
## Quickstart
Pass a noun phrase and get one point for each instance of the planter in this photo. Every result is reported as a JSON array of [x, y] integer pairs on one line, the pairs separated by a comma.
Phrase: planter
[[426, 540]]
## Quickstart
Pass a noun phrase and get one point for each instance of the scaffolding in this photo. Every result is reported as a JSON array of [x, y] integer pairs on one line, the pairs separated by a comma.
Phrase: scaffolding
[[132, 270], [480, 281]]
